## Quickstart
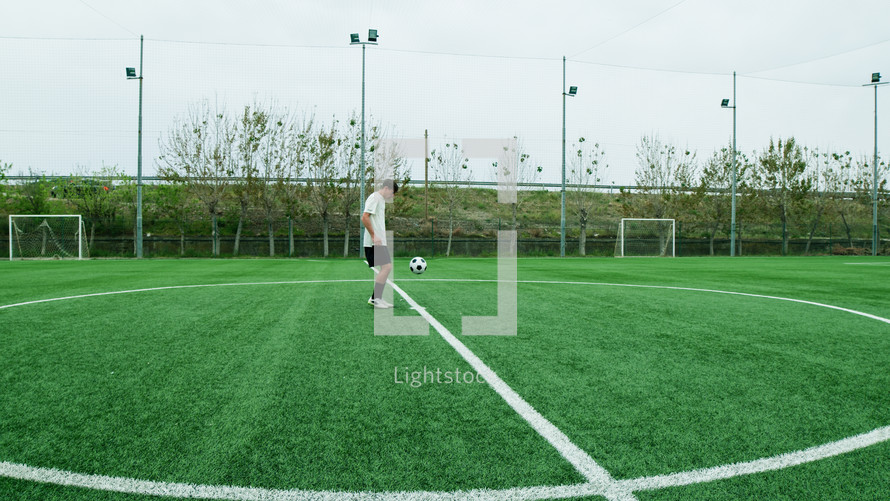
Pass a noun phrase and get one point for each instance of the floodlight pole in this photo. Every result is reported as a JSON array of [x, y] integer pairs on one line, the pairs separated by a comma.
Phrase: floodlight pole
[[361, 195], [874, 212], [875, 82], [139, 159], [562, 205], [732, 224], [355, 41]]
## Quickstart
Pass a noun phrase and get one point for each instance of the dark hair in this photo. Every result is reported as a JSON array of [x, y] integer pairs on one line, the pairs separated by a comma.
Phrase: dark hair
[[389, 183]]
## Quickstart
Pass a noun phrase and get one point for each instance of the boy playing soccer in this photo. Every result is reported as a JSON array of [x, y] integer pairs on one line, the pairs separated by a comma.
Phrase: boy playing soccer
[[376, 252]]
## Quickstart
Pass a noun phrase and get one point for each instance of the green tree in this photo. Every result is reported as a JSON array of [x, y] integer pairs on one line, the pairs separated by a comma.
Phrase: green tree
[[173, 202], [714, 192], [252, 132], [298, 139], [4, 168], [33, 195], [781, 180], [271, 170], [125, 196], [324, 190], [93, 197]]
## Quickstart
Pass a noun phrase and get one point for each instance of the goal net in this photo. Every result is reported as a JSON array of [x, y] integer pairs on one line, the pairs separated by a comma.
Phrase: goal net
[[47, 237], [645, 237]]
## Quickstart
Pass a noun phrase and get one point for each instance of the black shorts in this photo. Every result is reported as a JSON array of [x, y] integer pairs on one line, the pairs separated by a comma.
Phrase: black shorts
[[379, 258]]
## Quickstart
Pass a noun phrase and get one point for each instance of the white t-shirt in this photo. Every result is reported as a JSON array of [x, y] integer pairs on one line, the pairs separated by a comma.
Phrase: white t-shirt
[[375, 205]]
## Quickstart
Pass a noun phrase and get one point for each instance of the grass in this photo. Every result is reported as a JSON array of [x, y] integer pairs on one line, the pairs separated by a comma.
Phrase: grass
[[285, 386]]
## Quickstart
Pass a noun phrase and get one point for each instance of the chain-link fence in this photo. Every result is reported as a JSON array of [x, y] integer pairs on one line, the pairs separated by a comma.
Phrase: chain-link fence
[[430, 238]]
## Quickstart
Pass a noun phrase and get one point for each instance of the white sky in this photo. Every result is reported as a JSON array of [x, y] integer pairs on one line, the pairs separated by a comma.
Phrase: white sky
[[459, 69]]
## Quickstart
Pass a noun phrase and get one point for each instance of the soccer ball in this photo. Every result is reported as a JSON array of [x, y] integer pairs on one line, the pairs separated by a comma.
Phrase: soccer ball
[[418, 265]]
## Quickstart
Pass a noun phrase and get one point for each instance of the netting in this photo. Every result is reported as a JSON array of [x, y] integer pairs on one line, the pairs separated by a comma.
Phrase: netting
[[646, 238], [450, 96], [46, 237], [433, 99]]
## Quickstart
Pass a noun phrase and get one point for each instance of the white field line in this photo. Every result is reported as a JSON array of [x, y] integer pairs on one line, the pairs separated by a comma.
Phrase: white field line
[[150, 289], [182, 490], [193, 491], [595, 474], [760, 465], [692, 289], [620, 487]]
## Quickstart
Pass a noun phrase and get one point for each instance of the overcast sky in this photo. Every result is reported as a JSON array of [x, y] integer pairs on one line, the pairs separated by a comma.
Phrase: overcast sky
[[459, 69]]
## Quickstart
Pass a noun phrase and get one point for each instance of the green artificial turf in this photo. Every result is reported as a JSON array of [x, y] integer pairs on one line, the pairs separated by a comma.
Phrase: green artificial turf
[[284, 385]]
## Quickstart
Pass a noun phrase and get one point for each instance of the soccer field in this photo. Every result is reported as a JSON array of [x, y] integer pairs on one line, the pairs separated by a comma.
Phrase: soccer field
[[648, 379]]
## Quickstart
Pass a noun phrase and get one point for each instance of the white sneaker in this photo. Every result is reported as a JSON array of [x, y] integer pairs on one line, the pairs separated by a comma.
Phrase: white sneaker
[[379, 303]]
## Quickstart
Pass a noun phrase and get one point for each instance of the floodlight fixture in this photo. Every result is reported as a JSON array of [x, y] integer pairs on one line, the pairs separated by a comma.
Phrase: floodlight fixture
[[372, 36], [131, 73], [353, 38], [875, 77], [724, 103], [572, 91]]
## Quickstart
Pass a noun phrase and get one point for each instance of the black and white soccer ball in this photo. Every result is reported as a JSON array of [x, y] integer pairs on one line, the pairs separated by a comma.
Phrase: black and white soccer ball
[[418, 265]]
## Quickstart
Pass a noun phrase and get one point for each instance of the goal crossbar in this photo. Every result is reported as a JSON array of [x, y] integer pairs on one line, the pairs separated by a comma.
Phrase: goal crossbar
[[68, 243], [646, 237]]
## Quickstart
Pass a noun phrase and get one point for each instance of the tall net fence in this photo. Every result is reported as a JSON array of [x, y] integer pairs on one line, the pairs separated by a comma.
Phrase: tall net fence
[[72, 115]]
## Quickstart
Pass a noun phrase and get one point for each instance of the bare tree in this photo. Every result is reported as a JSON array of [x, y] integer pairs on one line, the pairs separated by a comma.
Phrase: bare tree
[[388, 162], [826, 172], [450, 167], [517, 164], [665, 178], [586, 166], [199, 151], [863, 182]]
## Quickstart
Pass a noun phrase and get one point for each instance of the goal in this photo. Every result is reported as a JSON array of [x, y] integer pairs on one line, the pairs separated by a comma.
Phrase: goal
[[645, 237], [47, 237]]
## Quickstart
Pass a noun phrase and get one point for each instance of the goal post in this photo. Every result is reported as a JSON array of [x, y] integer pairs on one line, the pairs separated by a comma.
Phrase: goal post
[[646, 237], [47, 236]]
